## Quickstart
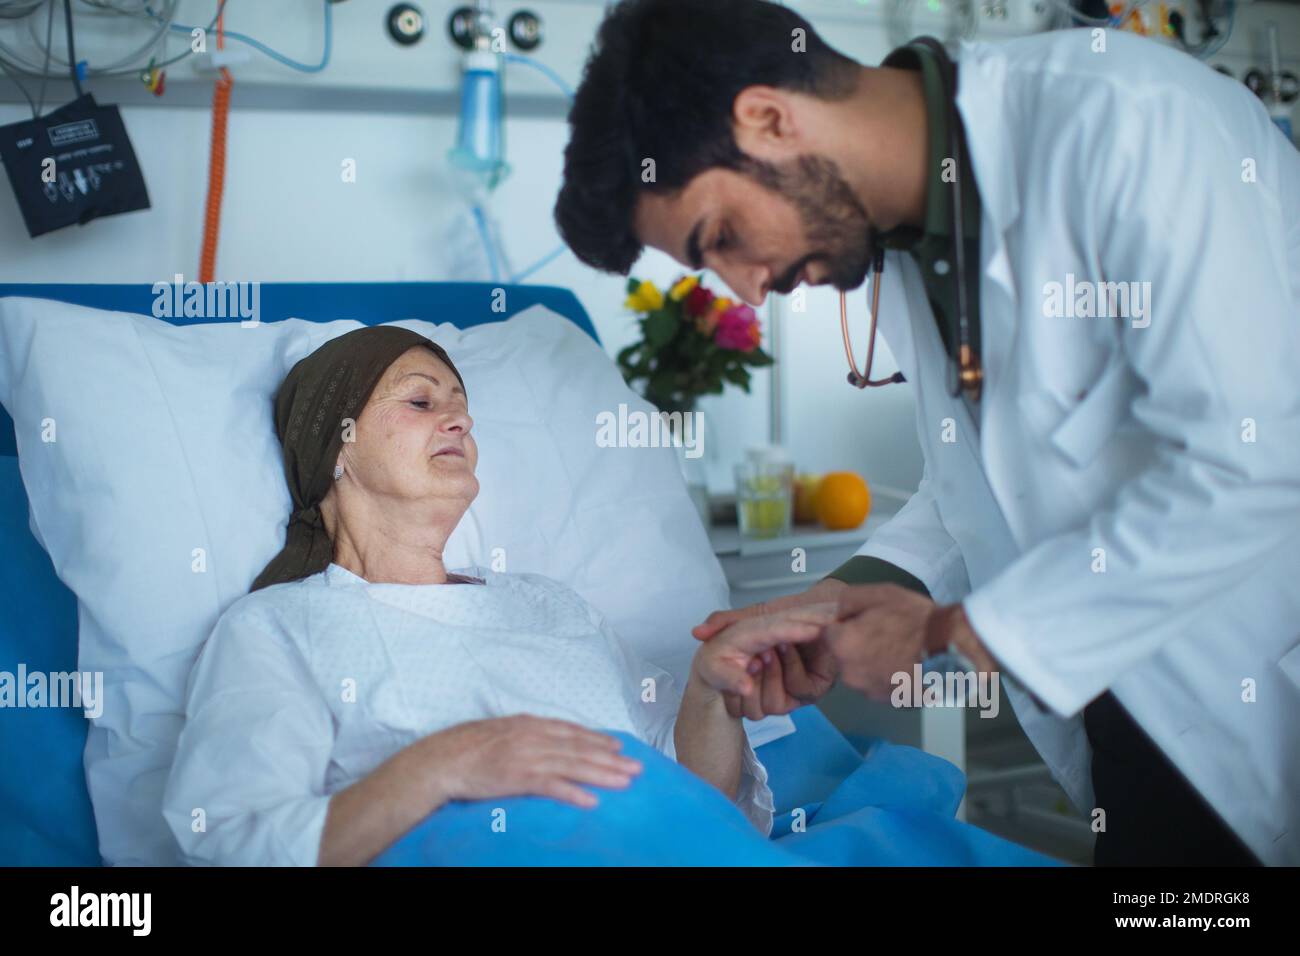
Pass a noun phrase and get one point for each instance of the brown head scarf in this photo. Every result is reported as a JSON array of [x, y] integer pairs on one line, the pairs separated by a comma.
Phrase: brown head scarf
[[330, 385]]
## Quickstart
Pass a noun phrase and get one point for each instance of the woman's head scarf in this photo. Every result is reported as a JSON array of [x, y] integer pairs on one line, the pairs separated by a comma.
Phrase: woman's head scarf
[[315, 402]]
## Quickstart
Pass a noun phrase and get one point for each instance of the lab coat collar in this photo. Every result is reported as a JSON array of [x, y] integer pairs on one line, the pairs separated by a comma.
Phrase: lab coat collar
[[981, 81], [981, 98]]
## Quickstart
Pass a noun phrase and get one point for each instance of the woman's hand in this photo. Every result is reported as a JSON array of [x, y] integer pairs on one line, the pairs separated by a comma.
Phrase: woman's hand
[[523, 755], [827, 589], [480, 759]]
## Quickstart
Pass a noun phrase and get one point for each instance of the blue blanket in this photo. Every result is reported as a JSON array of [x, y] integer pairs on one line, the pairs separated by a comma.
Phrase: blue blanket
[[895, 809]]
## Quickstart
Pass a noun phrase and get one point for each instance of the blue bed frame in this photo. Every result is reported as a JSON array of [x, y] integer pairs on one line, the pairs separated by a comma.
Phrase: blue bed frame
[[45, 812]]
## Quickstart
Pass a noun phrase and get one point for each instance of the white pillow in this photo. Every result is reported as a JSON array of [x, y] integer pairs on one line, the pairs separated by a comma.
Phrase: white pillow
[[150, 459]]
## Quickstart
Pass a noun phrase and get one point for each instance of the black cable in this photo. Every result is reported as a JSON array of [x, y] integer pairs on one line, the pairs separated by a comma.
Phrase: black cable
[[1209, 31], [36, 5], [45, 70], [135, 70], [72, 53], [22, 89], [1176, 25]]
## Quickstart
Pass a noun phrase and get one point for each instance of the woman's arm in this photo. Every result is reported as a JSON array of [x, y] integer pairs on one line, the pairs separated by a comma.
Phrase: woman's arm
[[709, 741], [737, 661], [370, 815]]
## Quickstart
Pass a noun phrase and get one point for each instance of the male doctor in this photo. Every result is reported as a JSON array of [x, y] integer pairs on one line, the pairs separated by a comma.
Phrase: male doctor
[[1105, 370]]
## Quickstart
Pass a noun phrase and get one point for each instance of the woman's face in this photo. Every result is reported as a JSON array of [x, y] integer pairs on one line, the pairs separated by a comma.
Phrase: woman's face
[[412, 440]]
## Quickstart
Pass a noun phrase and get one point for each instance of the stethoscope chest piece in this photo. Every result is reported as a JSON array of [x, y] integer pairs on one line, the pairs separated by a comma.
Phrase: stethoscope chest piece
[[970, 375]]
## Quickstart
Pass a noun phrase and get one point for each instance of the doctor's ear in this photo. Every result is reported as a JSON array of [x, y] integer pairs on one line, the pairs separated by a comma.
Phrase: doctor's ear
[[767, 122]]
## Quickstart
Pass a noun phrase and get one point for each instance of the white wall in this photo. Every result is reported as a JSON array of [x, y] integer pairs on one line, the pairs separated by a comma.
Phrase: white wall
[[289, 216]]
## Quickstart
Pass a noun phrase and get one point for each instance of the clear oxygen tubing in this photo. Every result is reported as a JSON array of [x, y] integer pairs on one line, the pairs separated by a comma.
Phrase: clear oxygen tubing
[[262, 48], [568, 93]]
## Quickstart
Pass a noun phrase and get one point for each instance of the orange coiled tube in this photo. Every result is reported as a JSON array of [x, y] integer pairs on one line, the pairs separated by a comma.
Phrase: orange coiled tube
[[216, 176], [216, 167]]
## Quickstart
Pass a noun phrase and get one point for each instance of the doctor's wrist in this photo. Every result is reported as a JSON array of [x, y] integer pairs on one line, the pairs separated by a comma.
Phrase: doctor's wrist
[[948, 628], [937, 634]]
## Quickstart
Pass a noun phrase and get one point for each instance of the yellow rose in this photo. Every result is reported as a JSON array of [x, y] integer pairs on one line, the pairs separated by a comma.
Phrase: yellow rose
[[646, 298], [722, 303], [683, 288]]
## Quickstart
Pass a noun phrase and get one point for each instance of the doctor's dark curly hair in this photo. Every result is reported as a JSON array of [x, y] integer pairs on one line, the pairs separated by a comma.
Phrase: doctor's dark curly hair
[[660, 84]]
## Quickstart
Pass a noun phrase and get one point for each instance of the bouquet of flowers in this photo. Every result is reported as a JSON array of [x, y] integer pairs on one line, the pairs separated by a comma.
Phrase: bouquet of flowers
[[692, 343]]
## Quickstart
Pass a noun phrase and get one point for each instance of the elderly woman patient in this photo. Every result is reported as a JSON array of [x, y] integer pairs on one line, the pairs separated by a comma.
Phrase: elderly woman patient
[[362, 684]]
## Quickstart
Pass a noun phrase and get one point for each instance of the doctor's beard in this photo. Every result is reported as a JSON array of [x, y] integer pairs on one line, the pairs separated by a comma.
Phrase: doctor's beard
[[835, 224]]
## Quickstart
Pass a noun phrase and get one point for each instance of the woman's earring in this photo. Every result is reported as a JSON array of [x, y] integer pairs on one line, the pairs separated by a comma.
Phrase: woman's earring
[[338, 472]]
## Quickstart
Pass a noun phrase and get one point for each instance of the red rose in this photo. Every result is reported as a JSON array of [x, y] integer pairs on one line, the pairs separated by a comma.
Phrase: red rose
[[698, 301]]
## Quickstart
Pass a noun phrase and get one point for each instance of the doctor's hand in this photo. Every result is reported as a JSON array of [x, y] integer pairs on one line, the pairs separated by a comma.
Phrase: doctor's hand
[[884, 629], [881, 631], [771, 663]]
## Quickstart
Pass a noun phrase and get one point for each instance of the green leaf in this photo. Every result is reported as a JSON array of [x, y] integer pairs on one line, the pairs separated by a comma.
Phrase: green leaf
[[660, 327], [662, 383], [695, 348], [737, 375]]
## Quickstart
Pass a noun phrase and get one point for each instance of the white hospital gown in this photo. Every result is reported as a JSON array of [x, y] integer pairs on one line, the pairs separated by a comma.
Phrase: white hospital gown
[[304, 688]]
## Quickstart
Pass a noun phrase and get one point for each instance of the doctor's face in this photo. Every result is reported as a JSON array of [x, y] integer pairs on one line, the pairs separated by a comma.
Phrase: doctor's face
[[766, 229]]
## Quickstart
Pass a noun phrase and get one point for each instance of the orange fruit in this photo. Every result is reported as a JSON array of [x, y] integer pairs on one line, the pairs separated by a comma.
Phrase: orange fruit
[[843, 500]]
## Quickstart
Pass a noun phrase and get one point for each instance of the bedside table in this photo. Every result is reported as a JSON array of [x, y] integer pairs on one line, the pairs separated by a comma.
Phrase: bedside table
[[759, 569], [766, 568]]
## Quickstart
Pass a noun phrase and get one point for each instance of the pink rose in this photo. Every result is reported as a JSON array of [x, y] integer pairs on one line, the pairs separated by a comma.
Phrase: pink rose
[[738, 329]]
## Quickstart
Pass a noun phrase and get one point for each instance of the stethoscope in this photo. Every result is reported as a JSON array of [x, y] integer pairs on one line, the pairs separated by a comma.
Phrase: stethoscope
[[969, 375]]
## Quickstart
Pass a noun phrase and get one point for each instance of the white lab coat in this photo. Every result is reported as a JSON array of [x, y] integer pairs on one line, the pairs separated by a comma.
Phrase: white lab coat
[[1099, 439]]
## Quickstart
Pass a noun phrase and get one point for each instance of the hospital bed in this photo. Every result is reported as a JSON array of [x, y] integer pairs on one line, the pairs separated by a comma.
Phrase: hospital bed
[[45, 809]]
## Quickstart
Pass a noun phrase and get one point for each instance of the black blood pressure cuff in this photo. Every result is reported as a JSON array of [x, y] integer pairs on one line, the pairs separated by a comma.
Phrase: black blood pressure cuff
[[72, 165], [865, 569]]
